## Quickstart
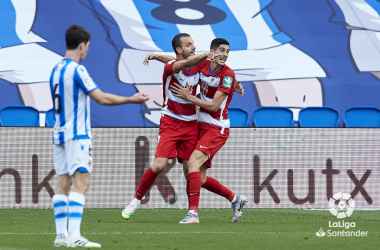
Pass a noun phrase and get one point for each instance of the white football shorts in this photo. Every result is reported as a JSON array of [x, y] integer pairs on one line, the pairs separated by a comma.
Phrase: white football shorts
[[72, 155]]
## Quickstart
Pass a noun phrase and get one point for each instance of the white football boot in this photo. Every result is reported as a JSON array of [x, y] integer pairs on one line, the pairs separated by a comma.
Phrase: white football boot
[[237, 207]]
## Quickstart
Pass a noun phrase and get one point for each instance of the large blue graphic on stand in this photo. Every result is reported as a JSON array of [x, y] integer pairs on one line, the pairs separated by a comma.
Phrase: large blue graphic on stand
[[290, 53]]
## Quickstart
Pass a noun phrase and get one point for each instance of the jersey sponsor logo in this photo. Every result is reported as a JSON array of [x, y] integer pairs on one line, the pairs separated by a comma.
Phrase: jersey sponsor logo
[[227, 81]]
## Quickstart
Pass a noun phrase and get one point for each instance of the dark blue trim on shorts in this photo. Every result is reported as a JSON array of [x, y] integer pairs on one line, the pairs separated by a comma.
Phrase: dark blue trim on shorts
[[82, 169]]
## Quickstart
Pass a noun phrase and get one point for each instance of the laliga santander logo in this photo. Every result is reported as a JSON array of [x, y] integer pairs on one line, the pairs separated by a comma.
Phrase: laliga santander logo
[[345, 202]]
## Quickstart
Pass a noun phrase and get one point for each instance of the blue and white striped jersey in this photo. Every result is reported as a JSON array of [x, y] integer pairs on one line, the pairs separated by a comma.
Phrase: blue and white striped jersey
[[16, 20], [70, 85]]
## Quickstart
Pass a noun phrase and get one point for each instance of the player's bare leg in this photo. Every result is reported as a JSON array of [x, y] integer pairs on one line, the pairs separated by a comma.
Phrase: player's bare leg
[[153, 111], [186, 174], [146, 182], [292, 93], [34, 95]]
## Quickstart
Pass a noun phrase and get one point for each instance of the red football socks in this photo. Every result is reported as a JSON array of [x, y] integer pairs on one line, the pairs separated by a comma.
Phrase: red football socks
[[214, 186], [146, 182], [195, 190], [188, 191]]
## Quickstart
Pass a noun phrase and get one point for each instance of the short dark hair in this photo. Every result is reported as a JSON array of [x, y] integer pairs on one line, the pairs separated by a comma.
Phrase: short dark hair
[[217, 42], [176, 42], [76, 35]]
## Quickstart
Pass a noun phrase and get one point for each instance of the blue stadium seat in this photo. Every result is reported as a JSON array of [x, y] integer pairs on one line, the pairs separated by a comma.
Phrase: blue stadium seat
[[362, 117], [272, 117], [50, 117], [238, 117], [318, 117], [20, 116]]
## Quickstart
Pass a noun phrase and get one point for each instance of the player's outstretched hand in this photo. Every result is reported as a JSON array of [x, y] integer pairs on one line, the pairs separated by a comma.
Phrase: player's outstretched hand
[[239, 88], [212, 55], [140, 98], [180, 91], [147, 58]]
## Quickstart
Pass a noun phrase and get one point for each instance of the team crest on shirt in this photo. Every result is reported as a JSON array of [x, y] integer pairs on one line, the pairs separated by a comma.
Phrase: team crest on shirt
[[190, 88], [204, 88], [227, 81]]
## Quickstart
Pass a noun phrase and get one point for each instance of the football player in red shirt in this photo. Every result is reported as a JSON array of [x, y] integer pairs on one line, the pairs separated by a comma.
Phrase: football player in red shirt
[[217, 87], [178, 132]]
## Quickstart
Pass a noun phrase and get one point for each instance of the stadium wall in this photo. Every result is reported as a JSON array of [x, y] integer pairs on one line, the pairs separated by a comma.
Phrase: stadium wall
[[273, 167]]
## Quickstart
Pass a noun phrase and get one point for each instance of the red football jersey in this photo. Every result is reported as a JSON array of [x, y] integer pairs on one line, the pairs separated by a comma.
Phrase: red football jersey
[[222, 80], [173, 106]]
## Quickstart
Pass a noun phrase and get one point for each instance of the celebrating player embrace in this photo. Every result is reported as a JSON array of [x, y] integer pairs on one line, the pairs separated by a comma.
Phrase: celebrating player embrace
[[217, 86]]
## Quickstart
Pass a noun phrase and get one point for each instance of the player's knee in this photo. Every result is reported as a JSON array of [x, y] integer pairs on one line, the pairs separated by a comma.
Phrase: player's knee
[[193, 166], [63, 189], [158, 167], [71, 181], [82, 187]]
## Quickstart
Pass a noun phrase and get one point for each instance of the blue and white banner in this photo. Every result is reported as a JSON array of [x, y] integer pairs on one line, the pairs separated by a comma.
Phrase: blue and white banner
[[290, 53]]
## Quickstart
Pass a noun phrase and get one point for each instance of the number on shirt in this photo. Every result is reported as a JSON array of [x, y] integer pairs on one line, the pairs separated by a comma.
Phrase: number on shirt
[[57, 100], [168, 12]]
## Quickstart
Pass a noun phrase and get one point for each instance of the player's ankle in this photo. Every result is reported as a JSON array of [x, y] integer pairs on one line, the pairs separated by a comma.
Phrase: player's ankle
[[193, 212], [234, 199], [74, 235], [62, 236], [136, 202]]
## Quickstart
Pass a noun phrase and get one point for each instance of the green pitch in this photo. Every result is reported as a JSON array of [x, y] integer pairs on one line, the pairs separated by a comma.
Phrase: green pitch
[[159, 229]]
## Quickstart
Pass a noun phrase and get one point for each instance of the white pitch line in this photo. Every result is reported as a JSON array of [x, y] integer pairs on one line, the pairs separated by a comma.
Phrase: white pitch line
[[114, 233]]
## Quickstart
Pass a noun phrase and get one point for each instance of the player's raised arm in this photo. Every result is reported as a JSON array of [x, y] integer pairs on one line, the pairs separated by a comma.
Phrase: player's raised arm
[[193, 61], [184, 94], [112, 100], [157, 57]]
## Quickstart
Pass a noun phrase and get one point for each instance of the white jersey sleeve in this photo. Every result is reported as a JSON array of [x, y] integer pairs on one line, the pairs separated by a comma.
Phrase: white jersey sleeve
[[83, 79]]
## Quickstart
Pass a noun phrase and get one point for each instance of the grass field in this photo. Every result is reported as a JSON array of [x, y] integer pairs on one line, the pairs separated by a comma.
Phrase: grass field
[[159, 229]]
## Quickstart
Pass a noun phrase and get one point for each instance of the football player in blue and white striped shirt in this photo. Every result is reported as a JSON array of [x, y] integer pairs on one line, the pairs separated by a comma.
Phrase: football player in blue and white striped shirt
[[71, 86]]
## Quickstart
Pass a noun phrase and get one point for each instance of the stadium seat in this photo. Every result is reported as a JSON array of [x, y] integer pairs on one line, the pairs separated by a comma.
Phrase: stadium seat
[[272, 117], [238, 117], [317, 117], [362, 117], [20, 116], [50, 118]]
